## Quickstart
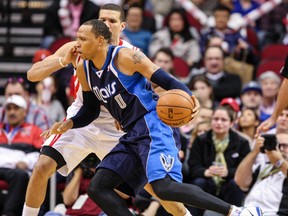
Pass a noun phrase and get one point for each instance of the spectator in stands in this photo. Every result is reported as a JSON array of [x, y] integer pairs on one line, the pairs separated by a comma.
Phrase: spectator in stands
[[64, 17], [149, 22], [214, 158], [248, 122], [272, 29], [35, 114], [46, 98], [133, 31], [231, 104], [251, 96], [230, 40], [270, 84], [179, 36], [20, 143], [266, 182], [203, 90], [75, 191], [205, 114], [224, 84], [281, 123], [243, 7], [164, 59]]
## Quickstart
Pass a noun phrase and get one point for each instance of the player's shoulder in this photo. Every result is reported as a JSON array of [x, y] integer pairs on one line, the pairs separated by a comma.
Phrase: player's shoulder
[[127, 44]]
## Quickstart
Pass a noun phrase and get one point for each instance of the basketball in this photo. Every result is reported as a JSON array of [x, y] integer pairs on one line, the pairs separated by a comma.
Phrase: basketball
[[175, 107]]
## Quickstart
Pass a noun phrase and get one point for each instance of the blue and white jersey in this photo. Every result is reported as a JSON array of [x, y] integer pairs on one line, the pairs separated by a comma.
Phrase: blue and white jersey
[[127, 98]]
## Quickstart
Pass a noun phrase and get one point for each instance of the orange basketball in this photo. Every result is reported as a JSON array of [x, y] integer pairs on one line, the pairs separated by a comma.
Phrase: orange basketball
[[175, 107]]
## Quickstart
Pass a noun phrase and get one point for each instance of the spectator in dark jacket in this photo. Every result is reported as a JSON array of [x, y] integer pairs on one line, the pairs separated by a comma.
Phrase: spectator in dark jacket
[[214, 158]]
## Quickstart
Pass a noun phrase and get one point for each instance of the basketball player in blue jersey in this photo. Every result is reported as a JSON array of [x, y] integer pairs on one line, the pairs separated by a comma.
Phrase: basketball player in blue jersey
[[117, 78], [65, 152]]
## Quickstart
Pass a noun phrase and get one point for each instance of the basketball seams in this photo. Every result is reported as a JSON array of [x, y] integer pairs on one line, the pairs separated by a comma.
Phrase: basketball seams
[[174, 110], [175, 93]]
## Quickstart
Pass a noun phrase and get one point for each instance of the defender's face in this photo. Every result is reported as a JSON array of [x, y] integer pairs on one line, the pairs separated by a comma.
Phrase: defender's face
[[87, 43], [112, 20]]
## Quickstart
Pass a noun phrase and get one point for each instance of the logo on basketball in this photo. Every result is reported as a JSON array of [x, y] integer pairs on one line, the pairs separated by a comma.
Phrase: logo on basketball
[[170, 113]]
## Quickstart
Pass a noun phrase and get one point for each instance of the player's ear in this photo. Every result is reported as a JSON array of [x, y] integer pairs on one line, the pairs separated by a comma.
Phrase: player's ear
[[123, 26], [100, 40]]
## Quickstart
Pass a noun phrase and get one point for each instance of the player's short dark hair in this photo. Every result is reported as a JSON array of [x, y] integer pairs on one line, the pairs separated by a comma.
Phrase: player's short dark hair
[[99, 28], [114, 7]]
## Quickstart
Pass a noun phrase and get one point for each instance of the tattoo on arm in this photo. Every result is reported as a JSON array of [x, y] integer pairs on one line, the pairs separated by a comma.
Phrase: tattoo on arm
[[137, 57]]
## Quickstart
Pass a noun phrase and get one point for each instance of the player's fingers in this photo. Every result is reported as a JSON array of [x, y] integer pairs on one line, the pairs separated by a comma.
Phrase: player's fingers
[[196, 103], [45, 134]]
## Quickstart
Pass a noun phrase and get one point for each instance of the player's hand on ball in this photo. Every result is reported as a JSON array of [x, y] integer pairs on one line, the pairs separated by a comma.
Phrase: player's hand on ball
[[196, 108]]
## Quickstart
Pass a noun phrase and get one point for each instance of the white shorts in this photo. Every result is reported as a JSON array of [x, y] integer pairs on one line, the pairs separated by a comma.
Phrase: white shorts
[[74, 145]]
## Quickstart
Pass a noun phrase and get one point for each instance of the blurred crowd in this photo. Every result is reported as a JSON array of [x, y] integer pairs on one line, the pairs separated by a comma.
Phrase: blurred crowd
[[228, 52]]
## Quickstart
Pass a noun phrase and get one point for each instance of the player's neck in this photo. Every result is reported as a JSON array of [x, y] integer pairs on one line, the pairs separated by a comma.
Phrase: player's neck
[[115, 42], [100, 59]]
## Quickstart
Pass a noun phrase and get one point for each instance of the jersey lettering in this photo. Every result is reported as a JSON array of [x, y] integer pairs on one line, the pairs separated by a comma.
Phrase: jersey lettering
[[104, 93], [120, 101]]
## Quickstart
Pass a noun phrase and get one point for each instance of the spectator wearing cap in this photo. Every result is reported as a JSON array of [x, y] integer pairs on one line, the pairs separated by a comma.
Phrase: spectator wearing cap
[[251, 96], [20, 143], [233, 106], [35, 114], [270, 84], [214, 157]]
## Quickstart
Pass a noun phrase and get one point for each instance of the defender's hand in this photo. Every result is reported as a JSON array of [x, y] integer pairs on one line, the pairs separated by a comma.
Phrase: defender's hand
[[58, 128], [265, 126]]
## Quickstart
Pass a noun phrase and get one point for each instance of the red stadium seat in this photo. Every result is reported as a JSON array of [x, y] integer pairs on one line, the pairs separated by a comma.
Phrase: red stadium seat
[[274, 51], [269, 65], [3, 185], [181, 68]]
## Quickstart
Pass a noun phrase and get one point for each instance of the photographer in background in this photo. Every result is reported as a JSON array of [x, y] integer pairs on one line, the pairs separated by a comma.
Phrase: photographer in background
[[75, 196], [266, 183]]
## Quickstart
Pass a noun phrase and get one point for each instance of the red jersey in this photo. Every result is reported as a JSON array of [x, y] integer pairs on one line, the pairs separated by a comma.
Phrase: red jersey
[[25, 137]]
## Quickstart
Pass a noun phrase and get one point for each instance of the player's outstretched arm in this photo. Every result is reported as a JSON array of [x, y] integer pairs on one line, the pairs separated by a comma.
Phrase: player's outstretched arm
[[42, 69], [281, 103]]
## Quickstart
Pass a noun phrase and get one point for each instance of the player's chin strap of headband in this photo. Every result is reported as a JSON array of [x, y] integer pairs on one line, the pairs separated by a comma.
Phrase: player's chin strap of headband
[[89, 111], [166, 81]]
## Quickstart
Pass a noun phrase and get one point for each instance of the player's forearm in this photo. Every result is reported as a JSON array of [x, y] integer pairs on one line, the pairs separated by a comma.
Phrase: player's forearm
[[167, 82], [44, 68], [282, 99]]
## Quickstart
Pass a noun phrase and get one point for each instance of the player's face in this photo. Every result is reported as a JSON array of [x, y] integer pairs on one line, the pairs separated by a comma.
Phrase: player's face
[[87, 43], [112, 20]]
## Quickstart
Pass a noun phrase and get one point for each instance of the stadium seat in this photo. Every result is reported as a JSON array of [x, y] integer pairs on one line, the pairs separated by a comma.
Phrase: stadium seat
[[269, 65], [3, 185], [274, 51], [181, 68]]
